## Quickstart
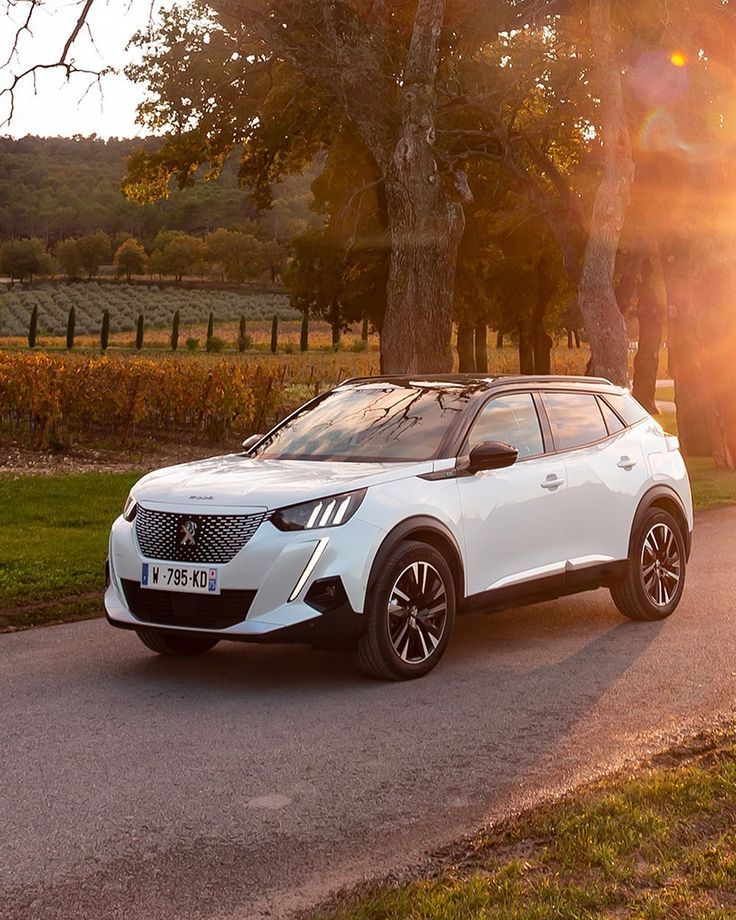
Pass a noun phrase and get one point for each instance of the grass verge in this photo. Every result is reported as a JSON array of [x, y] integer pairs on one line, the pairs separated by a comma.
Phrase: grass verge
[[658, 842], [54, 542]]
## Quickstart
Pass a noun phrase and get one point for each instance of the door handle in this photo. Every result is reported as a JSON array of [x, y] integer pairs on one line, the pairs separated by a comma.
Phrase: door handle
[[553, 482], [626, 463]]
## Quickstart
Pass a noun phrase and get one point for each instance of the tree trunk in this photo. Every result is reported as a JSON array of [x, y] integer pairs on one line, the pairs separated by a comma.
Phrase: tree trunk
[[577, 338], [646, 362], [526, 347], [541, 340], [683, 338], [425, 219], [499, 339], [481, 347], [714, 287], [465, 346], [569, 339], [603, 321]]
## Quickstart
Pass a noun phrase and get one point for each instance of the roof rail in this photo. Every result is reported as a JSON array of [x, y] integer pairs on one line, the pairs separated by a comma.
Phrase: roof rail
[[553, 378]]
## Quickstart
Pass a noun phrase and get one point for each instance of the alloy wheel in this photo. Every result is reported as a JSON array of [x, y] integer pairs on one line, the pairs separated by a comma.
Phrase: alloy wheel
[[660, 564], [417, 612]]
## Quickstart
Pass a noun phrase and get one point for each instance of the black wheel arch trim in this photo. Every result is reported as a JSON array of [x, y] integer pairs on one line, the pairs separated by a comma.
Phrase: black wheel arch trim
[[419, 526], [650, 498]]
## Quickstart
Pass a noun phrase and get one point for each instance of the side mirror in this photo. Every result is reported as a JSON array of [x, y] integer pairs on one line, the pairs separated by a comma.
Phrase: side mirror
[[492, 455], [251, 442]]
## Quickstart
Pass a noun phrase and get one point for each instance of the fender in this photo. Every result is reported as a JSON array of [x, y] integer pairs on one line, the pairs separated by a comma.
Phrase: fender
[[651, 497], [423, 526]]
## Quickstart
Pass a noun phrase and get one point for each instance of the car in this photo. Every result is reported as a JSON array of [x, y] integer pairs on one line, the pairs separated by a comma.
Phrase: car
[[373, 515]]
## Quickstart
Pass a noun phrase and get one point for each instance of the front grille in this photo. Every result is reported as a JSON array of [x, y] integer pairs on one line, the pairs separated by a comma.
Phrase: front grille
[[207, 538], [174, 608]]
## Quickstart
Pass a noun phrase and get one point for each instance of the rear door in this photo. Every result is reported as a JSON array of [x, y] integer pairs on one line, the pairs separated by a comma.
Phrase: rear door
[[514, 518], [606, 473]]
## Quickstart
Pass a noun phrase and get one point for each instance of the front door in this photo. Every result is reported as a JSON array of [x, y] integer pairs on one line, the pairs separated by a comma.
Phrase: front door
[[515, 518]]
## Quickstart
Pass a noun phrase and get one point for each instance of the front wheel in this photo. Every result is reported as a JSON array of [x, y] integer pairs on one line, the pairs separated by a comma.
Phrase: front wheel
[[173, 645], [652, 585], [410, 613]]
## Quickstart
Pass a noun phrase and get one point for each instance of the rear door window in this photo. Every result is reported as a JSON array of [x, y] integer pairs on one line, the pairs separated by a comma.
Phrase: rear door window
[[575, 418]]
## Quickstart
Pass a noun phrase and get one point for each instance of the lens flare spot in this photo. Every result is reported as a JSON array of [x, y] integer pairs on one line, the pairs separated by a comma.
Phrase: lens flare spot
[[678, 59]]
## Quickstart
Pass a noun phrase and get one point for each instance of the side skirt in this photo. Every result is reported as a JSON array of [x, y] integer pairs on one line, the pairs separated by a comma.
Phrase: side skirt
[[546, 589]]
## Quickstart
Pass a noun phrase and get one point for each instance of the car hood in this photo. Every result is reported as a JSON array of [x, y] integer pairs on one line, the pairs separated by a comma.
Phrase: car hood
[[235, 480]]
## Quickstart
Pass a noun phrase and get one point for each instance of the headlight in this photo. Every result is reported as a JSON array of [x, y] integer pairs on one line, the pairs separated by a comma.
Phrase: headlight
[[131, 506], [324, 512]]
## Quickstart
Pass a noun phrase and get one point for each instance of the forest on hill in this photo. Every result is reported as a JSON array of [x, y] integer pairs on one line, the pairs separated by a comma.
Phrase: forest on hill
[[56, 188]]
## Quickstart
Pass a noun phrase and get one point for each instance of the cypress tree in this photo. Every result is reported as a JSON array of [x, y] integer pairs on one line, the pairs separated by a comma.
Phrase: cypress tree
[[139, 333], [242, 341], [71, 323], [364, 330], [275, 333], [210, 326], [105, 330], [304, 335], [175, 332], [33, 328]]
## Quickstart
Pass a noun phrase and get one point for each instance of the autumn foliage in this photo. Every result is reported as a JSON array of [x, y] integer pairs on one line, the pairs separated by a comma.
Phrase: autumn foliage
[[49, 400]]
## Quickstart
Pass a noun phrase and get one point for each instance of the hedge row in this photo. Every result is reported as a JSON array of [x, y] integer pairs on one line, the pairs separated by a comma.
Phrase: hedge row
[[50, 400]]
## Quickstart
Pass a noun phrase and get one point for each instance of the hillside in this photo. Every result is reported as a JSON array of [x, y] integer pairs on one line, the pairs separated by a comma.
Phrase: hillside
[[55, 188]]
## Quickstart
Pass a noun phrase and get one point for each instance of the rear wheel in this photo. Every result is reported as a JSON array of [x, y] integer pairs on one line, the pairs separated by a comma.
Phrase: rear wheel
[[654, 580], [410, 614], [179, 646]]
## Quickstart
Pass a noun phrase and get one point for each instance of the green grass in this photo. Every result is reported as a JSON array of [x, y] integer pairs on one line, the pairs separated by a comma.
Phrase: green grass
[[54, 542], [712, 487], [658, 843]]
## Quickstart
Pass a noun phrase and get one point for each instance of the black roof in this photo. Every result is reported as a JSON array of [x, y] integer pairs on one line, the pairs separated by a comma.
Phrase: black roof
[[482, 381]]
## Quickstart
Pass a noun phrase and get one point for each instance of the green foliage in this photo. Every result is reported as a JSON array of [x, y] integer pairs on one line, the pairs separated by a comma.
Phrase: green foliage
[[304, 333], [33, 328], [130, 259], [22, 259], [105, 330], [175, 330], [94, 250], [215, 344], [177, 254], [71, 324], [274, 334], [192, 344], [69, 259], [139, 332], [236, 256]]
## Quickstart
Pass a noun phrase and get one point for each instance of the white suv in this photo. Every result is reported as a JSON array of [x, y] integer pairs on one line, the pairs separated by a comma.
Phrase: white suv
[[377, 511]]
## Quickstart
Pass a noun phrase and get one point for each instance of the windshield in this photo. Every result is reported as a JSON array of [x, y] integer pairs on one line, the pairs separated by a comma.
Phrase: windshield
[[371, 422]]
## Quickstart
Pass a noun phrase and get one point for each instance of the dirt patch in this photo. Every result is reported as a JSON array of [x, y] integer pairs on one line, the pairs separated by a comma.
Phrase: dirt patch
[[142, 457]]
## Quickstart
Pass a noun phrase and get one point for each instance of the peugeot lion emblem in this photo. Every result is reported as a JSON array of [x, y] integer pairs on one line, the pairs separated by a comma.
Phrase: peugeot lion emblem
[[187, 529]]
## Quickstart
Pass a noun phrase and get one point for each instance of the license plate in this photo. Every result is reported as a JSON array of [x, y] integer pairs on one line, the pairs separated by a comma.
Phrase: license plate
[[193, 580]]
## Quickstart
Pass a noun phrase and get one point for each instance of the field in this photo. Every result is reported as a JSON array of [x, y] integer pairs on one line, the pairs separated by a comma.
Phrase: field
[[125, 302]]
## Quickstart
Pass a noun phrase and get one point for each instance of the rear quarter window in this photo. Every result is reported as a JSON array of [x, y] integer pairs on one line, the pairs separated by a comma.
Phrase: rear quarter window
[[627, 407]]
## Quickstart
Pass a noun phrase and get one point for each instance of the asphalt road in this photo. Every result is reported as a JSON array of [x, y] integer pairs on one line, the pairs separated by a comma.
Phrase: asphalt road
[[257, 779]]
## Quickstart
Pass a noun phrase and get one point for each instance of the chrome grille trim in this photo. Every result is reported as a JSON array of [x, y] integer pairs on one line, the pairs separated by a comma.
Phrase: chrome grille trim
[[218, 537]]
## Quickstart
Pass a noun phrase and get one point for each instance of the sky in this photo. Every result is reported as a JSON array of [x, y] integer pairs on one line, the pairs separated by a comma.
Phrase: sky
[[55, 107]]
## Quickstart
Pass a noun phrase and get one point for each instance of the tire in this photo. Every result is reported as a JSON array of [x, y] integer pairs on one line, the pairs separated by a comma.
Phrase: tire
[[406, 639], [175, 646], [652, 585]]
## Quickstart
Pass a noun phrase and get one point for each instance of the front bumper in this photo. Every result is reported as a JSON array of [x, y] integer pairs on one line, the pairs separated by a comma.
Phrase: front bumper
[[273, 574]]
